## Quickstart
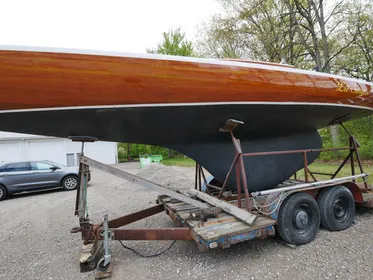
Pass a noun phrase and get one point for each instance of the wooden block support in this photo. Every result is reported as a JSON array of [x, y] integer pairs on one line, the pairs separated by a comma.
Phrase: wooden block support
[[90, 255]]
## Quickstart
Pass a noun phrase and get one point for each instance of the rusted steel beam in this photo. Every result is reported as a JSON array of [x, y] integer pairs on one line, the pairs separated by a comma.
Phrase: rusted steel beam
[[311, 173], [342, 164], [352, 155], [305, 167], [358, 159], [293, 152], [152, 234], [195, 183], [125, 220], [199, 178], [238, 180], [320, 173], [244, 183], [213, 187], [236, 143], [203, 175], [227, 176]]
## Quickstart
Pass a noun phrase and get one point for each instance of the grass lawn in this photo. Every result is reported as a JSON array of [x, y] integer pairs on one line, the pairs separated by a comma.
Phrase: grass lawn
[[316, 167], [184, 162], [331, 168]]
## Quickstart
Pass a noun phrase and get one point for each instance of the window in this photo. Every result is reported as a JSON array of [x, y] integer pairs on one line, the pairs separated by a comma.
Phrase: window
[[70, 159], [40, 166], [3, 168], [16, 167]]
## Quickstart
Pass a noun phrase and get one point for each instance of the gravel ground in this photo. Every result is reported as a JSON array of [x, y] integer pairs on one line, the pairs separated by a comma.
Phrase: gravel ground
[[35, 242]]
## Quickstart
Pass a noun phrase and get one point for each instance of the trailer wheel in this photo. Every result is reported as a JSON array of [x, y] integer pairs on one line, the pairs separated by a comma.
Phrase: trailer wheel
[[337, 208], [298, 219]]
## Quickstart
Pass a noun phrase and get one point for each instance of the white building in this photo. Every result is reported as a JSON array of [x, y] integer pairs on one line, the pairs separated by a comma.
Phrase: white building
[[17, 147]]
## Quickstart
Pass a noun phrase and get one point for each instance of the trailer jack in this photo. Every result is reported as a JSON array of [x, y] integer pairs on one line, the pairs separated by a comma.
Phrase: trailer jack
[[104, 266]]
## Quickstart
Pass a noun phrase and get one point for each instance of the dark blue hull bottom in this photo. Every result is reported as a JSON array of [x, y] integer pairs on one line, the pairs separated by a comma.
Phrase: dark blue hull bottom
[[194, 131]]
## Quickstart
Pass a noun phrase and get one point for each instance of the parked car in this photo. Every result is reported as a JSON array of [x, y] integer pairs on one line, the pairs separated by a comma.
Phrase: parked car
[[24, 176]]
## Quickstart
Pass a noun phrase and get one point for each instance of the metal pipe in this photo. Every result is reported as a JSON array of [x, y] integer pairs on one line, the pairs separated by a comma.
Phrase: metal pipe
[[321, 173], [227, 176], [306, 185], [342, 165], [244, 183], [356, 149], [199, 178], [293, 152], [305, 166], [311, 173], [213, 187], [195, 184], [183, 233], [238, 180], [128, 219]]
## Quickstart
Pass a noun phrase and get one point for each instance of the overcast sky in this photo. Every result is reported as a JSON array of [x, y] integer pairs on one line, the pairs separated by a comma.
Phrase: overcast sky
[[120, 25]]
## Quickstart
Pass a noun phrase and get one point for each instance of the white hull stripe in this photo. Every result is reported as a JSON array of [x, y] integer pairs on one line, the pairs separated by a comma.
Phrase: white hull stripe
[[185, 104]]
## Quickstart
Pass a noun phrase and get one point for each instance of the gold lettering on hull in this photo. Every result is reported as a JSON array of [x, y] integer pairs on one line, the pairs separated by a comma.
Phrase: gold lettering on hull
[[343, 87]]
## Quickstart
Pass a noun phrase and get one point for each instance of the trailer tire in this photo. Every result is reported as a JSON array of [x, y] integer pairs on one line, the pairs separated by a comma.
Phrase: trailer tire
[[337, 208], [298, 219]]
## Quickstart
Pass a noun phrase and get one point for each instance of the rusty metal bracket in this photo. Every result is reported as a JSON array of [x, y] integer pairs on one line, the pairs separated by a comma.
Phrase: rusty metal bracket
[[204, 214], [150, 234], [125, 220]]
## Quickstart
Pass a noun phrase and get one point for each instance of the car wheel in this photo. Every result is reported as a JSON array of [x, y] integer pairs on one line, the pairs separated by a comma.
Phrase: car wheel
[[70, 183], [3, 192]]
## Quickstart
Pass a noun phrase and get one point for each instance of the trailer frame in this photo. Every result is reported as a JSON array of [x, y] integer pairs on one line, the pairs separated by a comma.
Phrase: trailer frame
[[216, 218]]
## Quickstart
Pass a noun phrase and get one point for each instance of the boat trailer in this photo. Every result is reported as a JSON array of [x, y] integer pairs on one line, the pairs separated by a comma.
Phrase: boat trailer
[[217, 217]]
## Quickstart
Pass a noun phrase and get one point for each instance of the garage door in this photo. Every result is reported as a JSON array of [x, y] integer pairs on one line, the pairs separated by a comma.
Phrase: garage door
[[10, 151], [53, 149]]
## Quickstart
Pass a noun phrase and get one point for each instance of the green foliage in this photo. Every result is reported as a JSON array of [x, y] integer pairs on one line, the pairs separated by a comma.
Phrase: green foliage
[[174, 43], [141, 149], [184, 162], [361, 129]]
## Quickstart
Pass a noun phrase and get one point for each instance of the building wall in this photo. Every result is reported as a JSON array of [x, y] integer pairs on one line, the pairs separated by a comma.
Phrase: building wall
[[14, 147]]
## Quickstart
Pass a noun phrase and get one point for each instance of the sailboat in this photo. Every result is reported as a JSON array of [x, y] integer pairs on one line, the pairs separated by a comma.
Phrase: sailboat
[[179, 103]]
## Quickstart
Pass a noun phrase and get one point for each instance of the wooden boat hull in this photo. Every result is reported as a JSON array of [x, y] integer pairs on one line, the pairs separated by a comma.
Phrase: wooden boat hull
[[178, 103]]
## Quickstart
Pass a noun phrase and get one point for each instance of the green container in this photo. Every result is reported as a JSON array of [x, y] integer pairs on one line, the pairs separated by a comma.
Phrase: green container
[[148, 159]]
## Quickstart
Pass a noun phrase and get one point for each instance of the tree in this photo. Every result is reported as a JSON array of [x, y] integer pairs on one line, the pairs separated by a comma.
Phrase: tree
[[310, 34], [357, 60], [220, 38], [174, 43], [253, 29]]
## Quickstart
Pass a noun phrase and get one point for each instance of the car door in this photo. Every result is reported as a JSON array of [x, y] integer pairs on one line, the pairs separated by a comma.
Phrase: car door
[[16, 176], [44, 174]]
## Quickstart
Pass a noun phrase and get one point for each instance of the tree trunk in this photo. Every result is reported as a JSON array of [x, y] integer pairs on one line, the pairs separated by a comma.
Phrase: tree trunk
[[170, 153], [128, 152]]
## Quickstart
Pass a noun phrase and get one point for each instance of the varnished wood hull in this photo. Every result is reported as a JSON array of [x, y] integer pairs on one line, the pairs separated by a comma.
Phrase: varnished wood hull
[[179, 103], [49, 78]]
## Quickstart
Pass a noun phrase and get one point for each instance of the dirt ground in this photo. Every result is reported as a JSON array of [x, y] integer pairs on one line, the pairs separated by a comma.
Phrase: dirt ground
[[35, 242]]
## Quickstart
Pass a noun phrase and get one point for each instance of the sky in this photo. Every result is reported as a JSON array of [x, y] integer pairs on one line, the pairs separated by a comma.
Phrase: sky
[[116, 25]]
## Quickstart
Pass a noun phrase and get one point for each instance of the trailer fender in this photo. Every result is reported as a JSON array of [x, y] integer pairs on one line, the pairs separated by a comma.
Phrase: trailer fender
[[355, 190]]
